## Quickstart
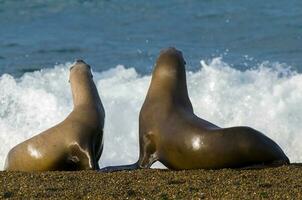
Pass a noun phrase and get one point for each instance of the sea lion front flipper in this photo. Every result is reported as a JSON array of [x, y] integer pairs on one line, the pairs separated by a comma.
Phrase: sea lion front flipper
[[81, 158], [148, 153]]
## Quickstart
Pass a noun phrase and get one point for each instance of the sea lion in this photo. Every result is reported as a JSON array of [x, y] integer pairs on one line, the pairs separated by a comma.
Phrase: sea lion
[[74, 144], [171, 133]]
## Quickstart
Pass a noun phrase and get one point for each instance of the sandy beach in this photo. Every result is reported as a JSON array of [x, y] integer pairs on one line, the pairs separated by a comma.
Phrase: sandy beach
[[272, 183]]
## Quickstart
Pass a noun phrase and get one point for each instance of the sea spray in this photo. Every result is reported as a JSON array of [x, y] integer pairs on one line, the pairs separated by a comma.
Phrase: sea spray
[[266, 97]]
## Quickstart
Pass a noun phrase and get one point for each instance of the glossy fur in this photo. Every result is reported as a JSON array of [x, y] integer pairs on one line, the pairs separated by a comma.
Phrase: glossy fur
[[171, 133]]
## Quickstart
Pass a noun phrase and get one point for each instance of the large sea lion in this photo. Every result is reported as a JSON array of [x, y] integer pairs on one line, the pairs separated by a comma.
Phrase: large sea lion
[[171, 133], [74, 144]]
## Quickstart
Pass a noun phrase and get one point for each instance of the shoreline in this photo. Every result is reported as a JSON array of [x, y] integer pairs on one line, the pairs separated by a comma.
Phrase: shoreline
[[283, 182]]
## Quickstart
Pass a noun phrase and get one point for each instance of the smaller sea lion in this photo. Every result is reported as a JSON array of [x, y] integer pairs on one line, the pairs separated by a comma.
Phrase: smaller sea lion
[[74, 144]]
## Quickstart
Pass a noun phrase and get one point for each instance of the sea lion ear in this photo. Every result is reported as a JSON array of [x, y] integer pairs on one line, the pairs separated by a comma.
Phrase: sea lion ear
[[90, 71], [71, 68]]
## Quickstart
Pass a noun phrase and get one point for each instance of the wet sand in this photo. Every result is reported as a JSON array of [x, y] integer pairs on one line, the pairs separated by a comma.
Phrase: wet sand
[[272, 183]]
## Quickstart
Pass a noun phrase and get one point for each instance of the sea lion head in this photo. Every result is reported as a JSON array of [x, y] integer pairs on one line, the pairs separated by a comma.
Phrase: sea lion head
[[170, 69], [170, 62], [80, 68], [169, 77]]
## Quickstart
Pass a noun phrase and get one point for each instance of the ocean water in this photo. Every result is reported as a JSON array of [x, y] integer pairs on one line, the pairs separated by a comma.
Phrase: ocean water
[[244, 65]]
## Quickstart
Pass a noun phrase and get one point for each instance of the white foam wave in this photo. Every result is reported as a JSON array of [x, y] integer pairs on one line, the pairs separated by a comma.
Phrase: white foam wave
[[267, 98]]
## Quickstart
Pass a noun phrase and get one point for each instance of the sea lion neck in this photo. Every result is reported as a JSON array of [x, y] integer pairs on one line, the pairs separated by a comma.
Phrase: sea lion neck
[[169, 83], [83, 88]]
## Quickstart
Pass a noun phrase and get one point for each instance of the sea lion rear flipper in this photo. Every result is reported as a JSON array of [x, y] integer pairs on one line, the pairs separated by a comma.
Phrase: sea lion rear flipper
[[120, 168], [148, 156], [276, 163]]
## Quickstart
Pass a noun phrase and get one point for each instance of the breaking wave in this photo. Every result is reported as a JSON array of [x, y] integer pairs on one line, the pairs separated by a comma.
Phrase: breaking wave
[[267, 97]]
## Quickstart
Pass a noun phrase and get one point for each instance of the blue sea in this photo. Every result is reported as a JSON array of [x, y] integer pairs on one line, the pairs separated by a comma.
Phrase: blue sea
[[243, 64]]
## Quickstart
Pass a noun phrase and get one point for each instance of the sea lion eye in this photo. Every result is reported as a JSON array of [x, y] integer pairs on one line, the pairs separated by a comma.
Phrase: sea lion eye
[[71, 68]]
